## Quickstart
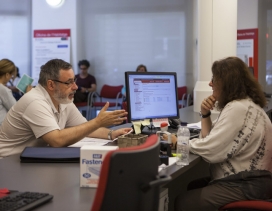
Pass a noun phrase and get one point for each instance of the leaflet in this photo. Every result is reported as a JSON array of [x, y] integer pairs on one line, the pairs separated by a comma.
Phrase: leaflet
[[24, 82]]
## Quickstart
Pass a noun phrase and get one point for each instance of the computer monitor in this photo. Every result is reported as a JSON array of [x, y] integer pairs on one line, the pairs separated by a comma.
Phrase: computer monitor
[[151, 95]]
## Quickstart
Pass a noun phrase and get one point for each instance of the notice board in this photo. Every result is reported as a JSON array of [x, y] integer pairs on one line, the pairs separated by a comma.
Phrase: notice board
[[247, 48], [49, 44]]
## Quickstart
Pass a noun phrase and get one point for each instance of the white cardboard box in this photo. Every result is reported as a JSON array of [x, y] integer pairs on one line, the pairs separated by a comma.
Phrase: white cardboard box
[[91, 159]]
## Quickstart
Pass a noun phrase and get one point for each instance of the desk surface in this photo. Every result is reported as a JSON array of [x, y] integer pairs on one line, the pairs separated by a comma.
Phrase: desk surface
[[59, 179], [62, 179]]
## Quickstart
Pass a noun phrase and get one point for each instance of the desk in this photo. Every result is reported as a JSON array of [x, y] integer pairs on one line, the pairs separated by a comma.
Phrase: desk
[[62, 179]]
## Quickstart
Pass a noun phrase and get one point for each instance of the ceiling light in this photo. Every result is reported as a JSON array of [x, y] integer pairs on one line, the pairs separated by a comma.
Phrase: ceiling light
[[55, 3]]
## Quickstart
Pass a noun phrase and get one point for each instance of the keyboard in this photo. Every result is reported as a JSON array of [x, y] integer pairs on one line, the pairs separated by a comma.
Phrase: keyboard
[[23, 201]]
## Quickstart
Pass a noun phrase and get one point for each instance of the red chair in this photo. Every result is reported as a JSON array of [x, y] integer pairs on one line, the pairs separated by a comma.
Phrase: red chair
[[128, 179], [112, 94], [248, 205]]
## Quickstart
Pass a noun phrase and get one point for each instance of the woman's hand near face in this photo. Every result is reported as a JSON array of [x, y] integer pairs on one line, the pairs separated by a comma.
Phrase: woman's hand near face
[[206, 106]]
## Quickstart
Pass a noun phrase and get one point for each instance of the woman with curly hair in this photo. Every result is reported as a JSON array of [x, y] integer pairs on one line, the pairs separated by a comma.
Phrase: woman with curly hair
[[238, 144]]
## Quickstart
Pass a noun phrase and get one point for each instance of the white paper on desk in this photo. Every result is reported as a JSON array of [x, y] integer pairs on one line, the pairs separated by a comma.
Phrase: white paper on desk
[[90, 141], [171, 161], [137, 127], [195, 125]]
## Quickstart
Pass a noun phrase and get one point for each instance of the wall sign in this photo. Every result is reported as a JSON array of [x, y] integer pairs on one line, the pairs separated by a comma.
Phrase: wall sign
[[247, 48], [47, 45]]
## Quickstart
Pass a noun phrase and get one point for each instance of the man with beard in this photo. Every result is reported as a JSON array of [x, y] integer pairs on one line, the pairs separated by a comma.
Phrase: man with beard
[[47, 116]]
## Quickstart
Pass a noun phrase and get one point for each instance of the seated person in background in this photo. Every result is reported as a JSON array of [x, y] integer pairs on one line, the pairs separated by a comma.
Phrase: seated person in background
[[86, 83], [12, 83], [238, 145], [47, 115], [140, 68], [7, 70]]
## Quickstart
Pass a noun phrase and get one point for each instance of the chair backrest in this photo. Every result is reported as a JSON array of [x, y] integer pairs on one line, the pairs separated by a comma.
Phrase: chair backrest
[[127, 179], [181, 91], [112, 92]]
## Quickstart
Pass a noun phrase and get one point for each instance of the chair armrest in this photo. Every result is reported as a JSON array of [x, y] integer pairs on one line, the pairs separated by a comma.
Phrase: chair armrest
[[92, 97], [89, 98], [184, 97], [160, 180], [188, 100], [119, 94]]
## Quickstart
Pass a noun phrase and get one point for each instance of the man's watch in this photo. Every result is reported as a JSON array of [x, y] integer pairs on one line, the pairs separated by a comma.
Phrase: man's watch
[[206, 115], [109, 135]]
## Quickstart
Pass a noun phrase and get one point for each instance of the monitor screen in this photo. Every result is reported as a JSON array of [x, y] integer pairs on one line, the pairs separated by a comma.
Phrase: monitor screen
[[151, 95]]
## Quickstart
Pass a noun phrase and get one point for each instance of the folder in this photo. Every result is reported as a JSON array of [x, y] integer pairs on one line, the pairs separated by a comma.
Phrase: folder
[[50, 155]]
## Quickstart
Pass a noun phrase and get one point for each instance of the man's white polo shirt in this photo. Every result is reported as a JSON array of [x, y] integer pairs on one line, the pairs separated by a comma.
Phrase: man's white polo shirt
[[33, 116]]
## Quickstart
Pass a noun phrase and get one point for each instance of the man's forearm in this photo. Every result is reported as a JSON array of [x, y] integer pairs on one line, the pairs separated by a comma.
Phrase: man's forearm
[[206, 125], [68, 136], [101, 132]]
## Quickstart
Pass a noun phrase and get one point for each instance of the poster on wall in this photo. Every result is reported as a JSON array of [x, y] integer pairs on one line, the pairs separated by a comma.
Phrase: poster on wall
[[247, 48], [47, 45]]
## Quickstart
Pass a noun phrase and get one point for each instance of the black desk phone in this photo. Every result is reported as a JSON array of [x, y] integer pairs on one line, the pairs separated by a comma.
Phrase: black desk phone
[[174, 123]]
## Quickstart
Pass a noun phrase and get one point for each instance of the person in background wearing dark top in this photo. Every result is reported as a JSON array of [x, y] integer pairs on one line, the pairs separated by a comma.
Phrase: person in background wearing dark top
[[140, 68], [13, 83], [86, 83], [237, 145]]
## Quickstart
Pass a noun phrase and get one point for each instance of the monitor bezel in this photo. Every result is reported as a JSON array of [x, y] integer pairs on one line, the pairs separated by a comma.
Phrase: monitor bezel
[[128, 73]]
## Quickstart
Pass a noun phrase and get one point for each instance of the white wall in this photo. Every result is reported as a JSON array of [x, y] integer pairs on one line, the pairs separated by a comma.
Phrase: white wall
[[116, 36], [15, 31], [247, 14], [79, 16], [217, 32], [119, 35]]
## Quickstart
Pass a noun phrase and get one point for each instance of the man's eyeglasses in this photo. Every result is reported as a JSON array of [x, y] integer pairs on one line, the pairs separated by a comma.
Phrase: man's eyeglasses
[[69, 83]]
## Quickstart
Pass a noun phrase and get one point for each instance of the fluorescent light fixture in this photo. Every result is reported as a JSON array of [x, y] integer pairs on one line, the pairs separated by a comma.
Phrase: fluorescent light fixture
[[55, 3]]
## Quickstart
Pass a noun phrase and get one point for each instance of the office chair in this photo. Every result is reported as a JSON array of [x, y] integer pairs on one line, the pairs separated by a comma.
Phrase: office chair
[[108, 93], [248, 205], [128, 179]]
